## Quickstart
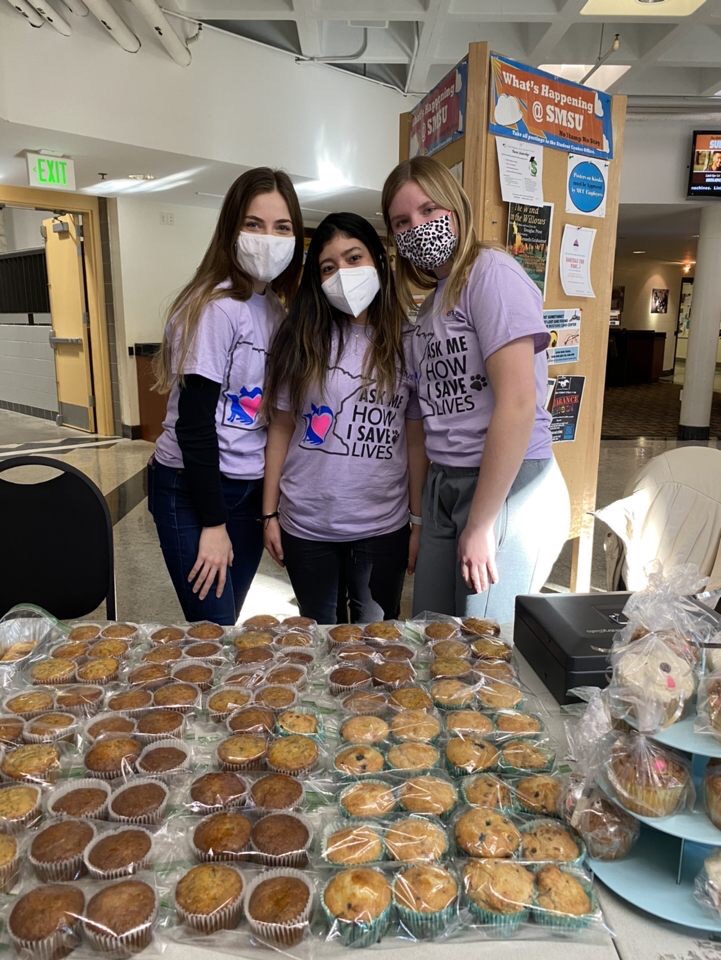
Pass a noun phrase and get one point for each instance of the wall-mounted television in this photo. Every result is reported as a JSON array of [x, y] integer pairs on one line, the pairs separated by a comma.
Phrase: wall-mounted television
[[704, 180]]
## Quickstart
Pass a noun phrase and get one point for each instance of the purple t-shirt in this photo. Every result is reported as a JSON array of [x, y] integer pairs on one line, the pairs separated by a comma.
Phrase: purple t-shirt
[[346, 473], [230, 347], [499, 304]]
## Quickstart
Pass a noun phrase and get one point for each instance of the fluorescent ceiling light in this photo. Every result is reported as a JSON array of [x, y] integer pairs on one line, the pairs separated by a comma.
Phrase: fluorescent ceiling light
[[330, 180], [604, 77], [639, 251], [622, 8], [141, 176]]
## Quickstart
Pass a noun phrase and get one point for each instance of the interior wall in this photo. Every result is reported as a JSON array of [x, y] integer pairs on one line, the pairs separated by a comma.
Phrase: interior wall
[[22, 228], [640, 275], [151, 260]]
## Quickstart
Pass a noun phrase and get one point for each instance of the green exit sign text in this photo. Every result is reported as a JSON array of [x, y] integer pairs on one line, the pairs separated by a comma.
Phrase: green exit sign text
[[53, 173]]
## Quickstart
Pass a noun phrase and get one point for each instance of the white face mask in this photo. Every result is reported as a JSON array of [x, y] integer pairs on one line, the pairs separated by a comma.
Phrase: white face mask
[[352, 289], [264, 256]]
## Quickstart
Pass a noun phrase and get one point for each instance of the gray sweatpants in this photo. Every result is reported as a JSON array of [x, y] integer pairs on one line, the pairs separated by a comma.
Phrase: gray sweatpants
[[530, 532]]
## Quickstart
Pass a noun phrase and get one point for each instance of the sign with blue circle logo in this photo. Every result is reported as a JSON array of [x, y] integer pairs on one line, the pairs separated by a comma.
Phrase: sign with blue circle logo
[[586, 187]]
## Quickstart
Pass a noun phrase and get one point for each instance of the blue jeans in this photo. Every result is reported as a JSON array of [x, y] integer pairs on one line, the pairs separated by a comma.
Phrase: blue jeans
[[179, 531]]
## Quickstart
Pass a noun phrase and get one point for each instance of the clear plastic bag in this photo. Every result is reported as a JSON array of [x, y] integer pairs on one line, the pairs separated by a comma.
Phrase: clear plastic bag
[[647, 779], [608, 831], [707, 885]]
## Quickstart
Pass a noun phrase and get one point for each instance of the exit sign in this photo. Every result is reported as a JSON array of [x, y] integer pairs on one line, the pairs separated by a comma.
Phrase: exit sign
[[54, 173]]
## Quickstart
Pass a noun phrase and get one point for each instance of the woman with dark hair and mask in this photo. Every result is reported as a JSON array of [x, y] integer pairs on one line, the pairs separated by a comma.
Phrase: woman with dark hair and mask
[[205, 478], [345, 461], [495, 506]]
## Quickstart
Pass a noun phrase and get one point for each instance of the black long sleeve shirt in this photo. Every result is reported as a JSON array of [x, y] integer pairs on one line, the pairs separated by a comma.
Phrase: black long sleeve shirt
[[198, 442]]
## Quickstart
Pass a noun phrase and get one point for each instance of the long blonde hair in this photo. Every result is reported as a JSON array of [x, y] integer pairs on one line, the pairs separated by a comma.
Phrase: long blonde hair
[[220, 266], [441, 186]]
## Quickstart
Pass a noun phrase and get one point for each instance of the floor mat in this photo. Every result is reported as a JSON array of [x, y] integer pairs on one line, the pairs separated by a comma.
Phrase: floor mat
[[648, 410]]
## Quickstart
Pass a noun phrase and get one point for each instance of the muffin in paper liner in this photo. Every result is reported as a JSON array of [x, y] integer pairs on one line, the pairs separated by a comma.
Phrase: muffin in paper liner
[[497, 784], [161, 694], [547, 917], [10, 852], [411, 838], [65, 734], [165, 774], [83, 709], [23, 703], [356, 933], [107, 715], [287, 933], [294, 858], [252, 763], [276, 696], [363, 855], [424, 924], [500, 715], [389, 793], [415, 796], [13, 820], [512, 768], [105, 940], [63, 939], [220, 716], [502, 922], [37, 763], [201, 808], [241, 850], [557, 825], [337, 688], [284, 731], [176, 733], [56, 871], [116, 873], [153, 817], [277, 765], [295, 804], [225, 917]]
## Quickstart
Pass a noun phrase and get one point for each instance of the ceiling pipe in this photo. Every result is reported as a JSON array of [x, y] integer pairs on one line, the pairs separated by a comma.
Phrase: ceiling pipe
[[348, 59], [77, 7], [615, 44], [156, 20], [56, 21], [27, 12], [117, 28]]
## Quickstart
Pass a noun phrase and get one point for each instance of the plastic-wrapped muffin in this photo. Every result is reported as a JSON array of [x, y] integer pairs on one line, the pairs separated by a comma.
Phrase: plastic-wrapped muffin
[[30, 703], [357, 905], [345, 679], [253, 638], [428, 794], [300, 623], [197, 674], [452, 649], [217, 790], [255, 656], [87, 799], [410, 698], [254, 719], [293, 754], [139, 801], [171, 653], [490, 648], [109, 648], [359, 654], [56, 851], [712, 793], [262, 621], [540, 794], [452, 694], [499, 695], [209, 897], [464, 755], [353, 845], [288, 674], [366, 702], [119, 853], [516, 722], [278, 905], [130, 700], [204, 650], [160, 724], [223, 702], [648, 779], [550, 840], [281, 840], [441, 630], [364, 729], [468, 723], [449, 667], [19, 806], [480, 626], [608, 831], [109, 723], [370, 798], [222, 836], [499, 893], [413, 756], [205, 631], [9, 861], [119, 918], [382, 630], [300, 720], [525, 755], [484, 832], [120, 631], [49, 727], [100, 670], [45, 922], [53, 671], [393, 673], [416, 839], [34, 762], [85, 632], [167, 635], [149, 675], [417, 725], [79, 699], [345, 633], [276, 791], [72, 650], [112, 756], [562, 900], [487, 790], [11, 730], [164, 759], [177, 696], [242, 751], [484, 670], [294, 638], [276, 697], [359, 759], [425, 896]]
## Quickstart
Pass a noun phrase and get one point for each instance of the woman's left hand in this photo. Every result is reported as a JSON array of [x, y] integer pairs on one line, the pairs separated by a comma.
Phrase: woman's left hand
[[413, 545], [477, 557]]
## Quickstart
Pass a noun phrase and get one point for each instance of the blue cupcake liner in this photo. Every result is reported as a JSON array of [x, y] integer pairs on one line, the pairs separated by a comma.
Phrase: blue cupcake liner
[[443, 815], [365, 816], [512, 771], [512, 735], [353, 933], [424, 926], [345, 775], [505, 923], [345, 824], [512, 807], [564, 921]]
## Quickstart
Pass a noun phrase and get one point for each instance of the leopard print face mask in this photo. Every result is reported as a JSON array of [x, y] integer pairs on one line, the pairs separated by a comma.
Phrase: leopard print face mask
[[429, 245]]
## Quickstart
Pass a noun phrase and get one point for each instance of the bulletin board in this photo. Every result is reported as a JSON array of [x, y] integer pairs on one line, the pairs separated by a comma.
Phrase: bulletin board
[[475, 149]]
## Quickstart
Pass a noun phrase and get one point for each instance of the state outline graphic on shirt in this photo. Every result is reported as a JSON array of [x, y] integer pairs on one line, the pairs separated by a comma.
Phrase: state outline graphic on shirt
[[245, 400]]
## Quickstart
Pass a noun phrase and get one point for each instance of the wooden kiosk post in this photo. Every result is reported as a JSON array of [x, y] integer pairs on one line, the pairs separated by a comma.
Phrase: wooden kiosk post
[[475, 149]]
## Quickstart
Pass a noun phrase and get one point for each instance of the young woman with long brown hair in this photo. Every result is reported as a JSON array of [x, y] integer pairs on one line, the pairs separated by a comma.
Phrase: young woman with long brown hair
[[345, 461], [205, 477], [495, 507]]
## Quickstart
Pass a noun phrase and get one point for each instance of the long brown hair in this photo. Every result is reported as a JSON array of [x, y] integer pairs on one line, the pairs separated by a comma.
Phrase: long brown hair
[[441, 186], [219, 264], [300, 354]]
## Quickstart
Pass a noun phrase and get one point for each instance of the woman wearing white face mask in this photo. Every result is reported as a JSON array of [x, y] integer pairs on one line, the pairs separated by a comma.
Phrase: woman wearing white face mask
[[495, 506], [345, 461], [205, 477]]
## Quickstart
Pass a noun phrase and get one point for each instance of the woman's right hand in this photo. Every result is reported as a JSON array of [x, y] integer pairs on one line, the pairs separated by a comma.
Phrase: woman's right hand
[[272, 541], [215, 555]]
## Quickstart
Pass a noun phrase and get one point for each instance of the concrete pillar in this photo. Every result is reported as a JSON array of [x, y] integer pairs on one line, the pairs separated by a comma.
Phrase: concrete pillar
[[703, 334]]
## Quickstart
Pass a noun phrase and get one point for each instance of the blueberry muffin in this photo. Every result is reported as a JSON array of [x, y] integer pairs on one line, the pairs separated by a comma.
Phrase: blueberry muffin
[[484, 832]]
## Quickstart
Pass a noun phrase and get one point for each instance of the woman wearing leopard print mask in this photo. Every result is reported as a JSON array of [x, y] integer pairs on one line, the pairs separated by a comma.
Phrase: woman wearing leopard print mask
[[495, 506]]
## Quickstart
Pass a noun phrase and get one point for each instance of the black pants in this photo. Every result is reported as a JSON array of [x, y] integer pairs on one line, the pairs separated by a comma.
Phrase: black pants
[[370, 571]]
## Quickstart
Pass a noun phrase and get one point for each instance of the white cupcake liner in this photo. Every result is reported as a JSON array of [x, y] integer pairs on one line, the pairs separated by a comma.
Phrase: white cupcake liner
[[149, 818], [280, 686], [57, 871], [226, 917], [340, 689], [183, 707], [175, 734], [82, 710], [100, 813], [201, 623], [294, 858], [131, 711], [123, 944], [9, 873], [232, 805], [300, 772], [58, 944], [165, 774], [219, 856], [26, 714], [300, 684], [19, 824], [220, 716], [97, 681], [254, 763], [203, 685], [150, 629], [106, 715], [295, 805], [65, 734], [286, 934], [119, 872]]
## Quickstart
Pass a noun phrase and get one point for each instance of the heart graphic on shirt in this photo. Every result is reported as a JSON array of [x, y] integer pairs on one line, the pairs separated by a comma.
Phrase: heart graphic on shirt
[[317, 424], [244, 405]]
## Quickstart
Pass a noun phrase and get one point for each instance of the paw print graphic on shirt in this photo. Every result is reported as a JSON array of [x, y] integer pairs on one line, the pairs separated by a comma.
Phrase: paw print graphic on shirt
[[395, 435], [478, 382]]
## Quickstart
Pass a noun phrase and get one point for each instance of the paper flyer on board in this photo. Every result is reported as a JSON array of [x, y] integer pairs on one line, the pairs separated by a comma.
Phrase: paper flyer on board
[[586, 186], [575, 260], [528, 238], [564, 327], [565, 408], [520, 167]]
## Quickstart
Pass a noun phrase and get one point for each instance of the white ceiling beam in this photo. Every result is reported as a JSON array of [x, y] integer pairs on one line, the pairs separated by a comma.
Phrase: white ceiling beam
[[430, 30], [310, 29], [569, 14]]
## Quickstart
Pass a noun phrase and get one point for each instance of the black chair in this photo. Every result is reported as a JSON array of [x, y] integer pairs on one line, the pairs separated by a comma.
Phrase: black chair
[[57, 542]]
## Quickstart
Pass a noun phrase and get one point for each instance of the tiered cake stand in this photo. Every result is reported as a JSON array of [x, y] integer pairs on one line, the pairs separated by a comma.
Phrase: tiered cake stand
[[658, 875]]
